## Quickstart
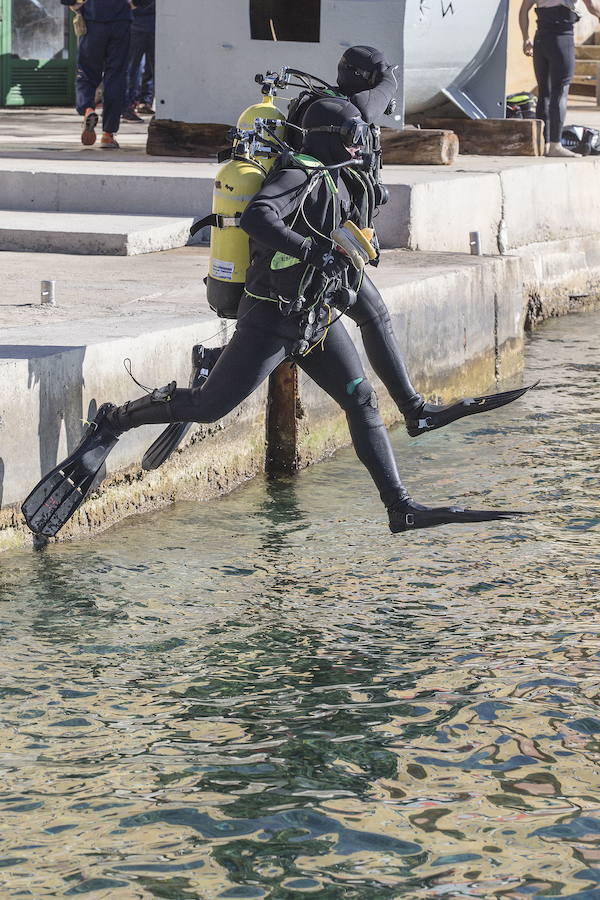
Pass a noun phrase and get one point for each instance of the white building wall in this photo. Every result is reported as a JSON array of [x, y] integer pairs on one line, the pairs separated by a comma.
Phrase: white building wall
[[206, 60]]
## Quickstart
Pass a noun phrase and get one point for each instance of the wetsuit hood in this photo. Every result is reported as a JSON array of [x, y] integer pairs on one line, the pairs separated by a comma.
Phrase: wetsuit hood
[[361, 69], [328, 147]]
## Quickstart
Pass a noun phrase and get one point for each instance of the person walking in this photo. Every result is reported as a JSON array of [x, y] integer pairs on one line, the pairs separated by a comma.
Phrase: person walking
[[102, 55], [553, 51]]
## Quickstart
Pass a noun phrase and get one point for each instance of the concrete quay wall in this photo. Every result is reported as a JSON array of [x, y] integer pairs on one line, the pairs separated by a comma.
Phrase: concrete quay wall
[[459, 319], [47, 391]]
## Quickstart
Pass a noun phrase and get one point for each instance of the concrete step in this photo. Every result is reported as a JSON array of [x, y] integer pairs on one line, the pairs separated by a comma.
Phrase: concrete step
[[430, 208], [145, 188], [587, 67], [113, 235], [583, 86], [588, 51]]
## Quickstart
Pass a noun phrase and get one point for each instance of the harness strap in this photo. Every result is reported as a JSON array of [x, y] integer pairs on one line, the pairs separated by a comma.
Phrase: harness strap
[[216, 220]]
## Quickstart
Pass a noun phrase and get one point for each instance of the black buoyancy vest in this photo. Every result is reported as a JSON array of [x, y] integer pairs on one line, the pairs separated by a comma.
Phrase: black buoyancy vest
[[272, 274]]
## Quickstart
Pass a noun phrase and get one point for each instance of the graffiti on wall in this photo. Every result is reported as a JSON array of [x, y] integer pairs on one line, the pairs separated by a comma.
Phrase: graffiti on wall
[[427, 7]]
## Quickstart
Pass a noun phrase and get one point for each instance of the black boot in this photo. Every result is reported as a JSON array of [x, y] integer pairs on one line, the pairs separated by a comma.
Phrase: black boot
[[406, 515], [154, 408]]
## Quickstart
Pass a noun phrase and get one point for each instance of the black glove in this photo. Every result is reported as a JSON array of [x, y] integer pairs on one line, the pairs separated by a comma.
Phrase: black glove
[[327, 259]]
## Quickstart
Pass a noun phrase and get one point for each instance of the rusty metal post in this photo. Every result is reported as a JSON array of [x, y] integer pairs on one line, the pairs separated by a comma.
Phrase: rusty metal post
[[282, 422]]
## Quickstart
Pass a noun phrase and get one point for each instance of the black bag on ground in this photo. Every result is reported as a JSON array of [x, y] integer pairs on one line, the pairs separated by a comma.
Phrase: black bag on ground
[[521, 105], [581, 139]]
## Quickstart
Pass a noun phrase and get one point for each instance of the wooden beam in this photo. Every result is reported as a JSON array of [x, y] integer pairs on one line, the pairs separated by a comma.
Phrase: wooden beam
[[282, 421], [170, 138], [419, 146], [493, 137]]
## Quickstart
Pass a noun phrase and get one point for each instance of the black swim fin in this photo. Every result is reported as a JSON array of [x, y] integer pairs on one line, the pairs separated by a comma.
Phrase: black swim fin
[[59, 494], [203, 359], [406, 515], [429, 416]]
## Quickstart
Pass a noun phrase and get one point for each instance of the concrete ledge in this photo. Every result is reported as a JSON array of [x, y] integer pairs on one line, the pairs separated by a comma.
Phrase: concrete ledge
[[459, 320], [136, 189], [450, 313], [43, 232], [431, 207]]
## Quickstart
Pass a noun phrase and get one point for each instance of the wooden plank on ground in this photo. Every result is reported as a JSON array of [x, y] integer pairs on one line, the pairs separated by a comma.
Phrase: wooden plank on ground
[[494, 137], [169, 138], [419, 146]]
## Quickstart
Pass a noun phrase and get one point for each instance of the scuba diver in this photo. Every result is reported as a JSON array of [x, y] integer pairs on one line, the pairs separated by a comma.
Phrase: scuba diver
[[298, 286], [367, 80]]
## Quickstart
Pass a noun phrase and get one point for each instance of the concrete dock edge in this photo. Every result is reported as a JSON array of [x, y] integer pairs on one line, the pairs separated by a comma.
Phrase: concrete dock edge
[[460, 321]]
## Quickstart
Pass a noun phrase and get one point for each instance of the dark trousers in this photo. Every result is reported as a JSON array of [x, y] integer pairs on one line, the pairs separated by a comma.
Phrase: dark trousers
[[142, 44], [263, 339], [145, 86], [554, 64], [103, 54]]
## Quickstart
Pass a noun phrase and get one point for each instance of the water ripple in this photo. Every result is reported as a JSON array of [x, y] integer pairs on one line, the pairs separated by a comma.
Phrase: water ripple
[[269, 696]]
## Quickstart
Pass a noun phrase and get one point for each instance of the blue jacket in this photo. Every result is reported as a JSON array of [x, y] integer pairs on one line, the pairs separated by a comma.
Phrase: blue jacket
[[107, 10]]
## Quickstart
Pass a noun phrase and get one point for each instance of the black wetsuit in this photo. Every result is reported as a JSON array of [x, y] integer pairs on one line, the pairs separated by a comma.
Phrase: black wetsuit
[[554, 64]]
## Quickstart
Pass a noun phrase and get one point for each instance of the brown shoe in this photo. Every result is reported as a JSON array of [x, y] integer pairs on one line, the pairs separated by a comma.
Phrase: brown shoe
[[90, 120], [108, 142], [144, 109]]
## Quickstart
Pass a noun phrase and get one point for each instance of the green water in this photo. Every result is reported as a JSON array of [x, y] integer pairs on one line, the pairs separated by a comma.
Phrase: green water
[[270, 696]]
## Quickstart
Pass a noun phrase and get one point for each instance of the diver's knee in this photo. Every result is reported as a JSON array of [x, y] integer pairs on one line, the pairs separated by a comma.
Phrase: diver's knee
[[361, 396]]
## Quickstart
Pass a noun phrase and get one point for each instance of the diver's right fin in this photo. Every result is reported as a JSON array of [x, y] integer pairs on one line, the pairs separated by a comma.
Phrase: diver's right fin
[[406, 515], [430, 416], [61, 492], [203, 359]]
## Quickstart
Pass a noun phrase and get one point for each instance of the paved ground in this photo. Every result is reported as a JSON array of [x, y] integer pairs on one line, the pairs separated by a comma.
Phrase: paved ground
[[55, 133], [583, 111], [90, 289]]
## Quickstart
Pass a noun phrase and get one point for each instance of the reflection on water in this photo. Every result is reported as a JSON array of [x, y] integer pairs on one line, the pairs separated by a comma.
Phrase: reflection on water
[[271, 696]]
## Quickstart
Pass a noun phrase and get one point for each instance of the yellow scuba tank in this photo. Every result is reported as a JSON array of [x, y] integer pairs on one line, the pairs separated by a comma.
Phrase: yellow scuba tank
[[236, 182]]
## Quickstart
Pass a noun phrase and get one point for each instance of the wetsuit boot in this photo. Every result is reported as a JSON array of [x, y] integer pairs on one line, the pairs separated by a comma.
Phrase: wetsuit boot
[[429, 416], [155, 408]]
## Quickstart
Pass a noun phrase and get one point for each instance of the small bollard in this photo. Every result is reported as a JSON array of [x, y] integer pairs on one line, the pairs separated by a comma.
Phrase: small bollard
[[475, 243], [48, 297]]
